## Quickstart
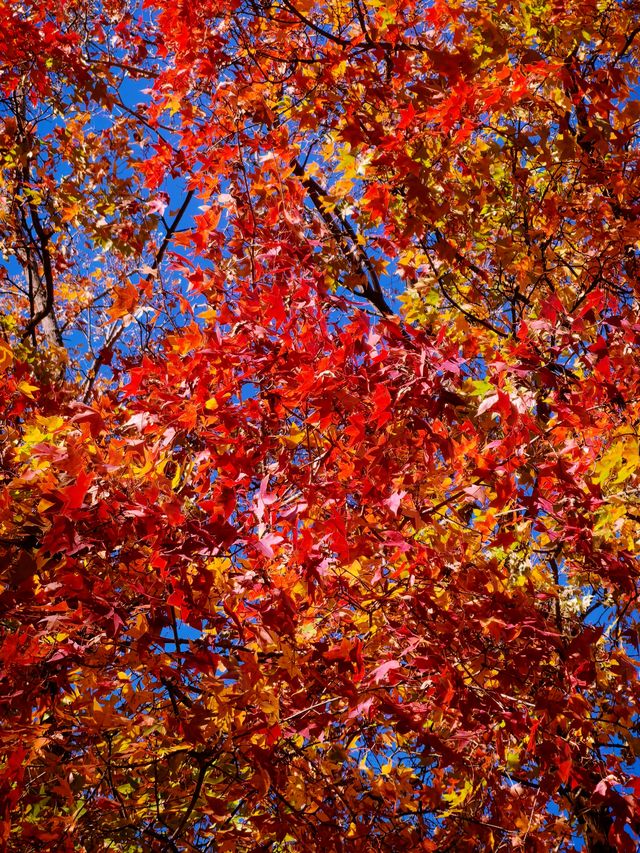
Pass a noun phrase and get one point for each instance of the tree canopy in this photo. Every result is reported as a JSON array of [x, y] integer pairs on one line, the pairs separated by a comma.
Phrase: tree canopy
[[319, 417]]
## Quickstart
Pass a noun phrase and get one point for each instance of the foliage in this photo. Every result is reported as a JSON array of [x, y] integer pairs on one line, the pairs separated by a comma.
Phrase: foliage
[[320, 406]]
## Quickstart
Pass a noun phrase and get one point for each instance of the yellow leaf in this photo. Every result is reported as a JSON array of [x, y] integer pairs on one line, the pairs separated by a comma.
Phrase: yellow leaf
[[6, 356], [52, 424], [513, 759], [456, 798], [141, 471], [176, 478], [33, 435], [209, 315], [27, 389], [295, 437]]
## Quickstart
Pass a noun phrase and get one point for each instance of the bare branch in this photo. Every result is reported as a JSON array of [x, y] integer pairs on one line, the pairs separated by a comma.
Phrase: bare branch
[[347, 240]]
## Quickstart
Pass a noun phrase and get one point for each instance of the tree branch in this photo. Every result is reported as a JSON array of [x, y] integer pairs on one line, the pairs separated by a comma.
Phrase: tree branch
[[47, 270], [100, 358], [202, 772], [324, 33], [347, 240]]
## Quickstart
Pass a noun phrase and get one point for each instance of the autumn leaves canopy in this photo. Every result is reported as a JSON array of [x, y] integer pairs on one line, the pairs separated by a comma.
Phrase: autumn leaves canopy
[[319, 491]]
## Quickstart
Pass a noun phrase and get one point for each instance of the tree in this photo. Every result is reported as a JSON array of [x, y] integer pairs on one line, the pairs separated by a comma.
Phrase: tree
[[320, 405]]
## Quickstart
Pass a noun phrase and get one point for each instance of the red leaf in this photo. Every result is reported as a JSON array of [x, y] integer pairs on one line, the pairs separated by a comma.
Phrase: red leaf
[[73, 496]]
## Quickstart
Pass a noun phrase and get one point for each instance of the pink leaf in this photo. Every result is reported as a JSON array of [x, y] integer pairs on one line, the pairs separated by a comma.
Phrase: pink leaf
[[380, 673], [394, 501], [158, 204], [488, 403]]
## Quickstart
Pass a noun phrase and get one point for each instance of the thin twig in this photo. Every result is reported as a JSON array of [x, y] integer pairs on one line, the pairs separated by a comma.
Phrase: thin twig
[[100, 358]]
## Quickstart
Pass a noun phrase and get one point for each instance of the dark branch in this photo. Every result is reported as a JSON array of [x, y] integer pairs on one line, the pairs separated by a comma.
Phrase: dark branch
[[347, 240], [171, 230], [43, 239], [324, 33], [202, 772]]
